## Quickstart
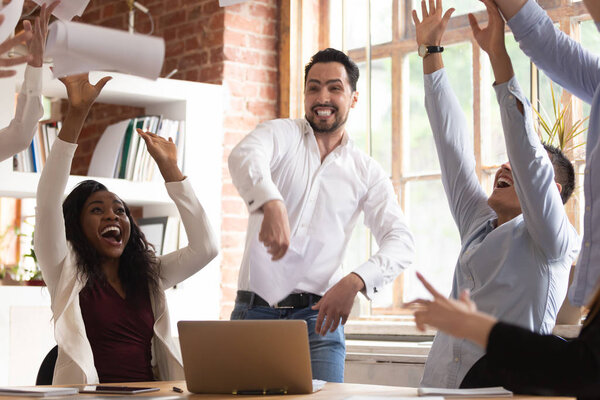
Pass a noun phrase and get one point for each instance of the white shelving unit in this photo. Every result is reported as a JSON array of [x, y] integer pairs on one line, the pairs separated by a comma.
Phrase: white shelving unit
[[201, 107]]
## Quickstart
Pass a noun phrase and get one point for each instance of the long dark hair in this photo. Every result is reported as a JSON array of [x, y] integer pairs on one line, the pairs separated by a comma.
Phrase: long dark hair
[[138, 264]]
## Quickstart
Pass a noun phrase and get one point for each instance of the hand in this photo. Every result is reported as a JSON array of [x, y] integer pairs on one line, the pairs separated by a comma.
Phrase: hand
[[21, 37], [491, 38], [458, 318], [164, 152], [336, 303], [275, 229], [430, 31], [81, 92], [37, 42]]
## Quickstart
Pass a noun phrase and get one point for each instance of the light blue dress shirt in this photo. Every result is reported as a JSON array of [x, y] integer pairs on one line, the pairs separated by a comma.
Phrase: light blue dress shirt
[[578, 71], [518, 271]]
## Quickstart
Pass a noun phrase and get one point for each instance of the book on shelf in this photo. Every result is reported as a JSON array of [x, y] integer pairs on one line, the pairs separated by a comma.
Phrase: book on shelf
[[33, 158], [121, 152]]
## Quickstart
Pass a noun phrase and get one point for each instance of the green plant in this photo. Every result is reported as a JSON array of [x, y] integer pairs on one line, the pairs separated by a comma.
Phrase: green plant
[[558, 134]]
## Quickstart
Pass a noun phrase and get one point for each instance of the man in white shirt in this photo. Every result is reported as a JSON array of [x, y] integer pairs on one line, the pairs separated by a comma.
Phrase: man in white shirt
[[305, 184]]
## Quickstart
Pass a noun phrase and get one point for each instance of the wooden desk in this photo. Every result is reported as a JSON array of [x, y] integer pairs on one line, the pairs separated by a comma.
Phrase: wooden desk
[[331, 391]]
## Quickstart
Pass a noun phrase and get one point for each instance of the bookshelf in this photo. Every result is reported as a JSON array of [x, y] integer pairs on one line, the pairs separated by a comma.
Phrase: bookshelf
[[201, 107]]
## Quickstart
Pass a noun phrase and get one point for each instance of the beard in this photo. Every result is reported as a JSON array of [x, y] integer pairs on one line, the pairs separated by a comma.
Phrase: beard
[[325, 128]]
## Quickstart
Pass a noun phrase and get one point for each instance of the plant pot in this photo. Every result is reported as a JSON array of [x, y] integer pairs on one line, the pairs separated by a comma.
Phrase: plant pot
[[35, 282]]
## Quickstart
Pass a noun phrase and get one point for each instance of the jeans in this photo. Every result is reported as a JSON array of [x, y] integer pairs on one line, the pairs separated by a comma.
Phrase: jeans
[[327, 353]]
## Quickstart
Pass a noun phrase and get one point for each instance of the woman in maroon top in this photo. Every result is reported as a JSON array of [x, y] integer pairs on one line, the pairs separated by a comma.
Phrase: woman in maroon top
[[105, 281]]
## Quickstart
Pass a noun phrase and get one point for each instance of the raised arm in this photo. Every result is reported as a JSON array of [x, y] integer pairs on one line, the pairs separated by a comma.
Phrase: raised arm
[[50, 239], [202, 244], [533, 173], [559, 56], [467, 200], [18, 134]]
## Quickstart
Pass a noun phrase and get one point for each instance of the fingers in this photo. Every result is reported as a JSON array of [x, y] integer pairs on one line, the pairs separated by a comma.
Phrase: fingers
[[50, 10], [474, 25], [423, 10], [417, 304], [7, 62], [428, 286], [21, 37], [447, 15], [100, 84], [432, 7], [419, 316], [7, 73], [27, 26], [320, 318], [1, 18], [415, 17]]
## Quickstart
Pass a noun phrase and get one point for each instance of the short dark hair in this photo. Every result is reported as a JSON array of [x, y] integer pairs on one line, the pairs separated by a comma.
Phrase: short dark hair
[[564, 173], [333, 55], [138, 266]]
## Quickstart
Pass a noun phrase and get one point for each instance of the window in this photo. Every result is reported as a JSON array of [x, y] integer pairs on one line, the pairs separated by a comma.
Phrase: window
[[390, 122]]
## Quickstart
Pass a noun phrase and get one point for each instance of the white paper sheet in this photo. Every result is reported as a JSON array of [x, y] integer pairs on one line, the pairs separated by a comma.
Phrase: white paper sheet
[[106, 153], [12, 13], [77, 48], [274, 280], [225, 3], [67, 9], [496, 391]]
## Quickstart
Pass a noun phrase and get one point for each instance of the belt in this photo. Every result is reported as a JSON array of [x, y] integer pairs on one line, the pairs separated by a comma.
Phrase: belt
[[294, 300]]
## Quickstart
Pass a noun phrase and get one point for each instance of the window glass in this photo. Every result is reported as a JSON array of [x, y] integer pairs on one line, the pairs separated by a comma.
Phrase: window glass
[[381, 21], [356, 23], [436, 237], [420, 154], [357, 119], [462, 6], [381, 112], [335, 24]]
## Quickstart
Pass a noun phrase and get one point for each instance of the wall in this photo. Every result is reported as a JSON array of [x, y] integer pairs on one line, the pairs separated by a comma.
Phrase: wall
[[235, 46]]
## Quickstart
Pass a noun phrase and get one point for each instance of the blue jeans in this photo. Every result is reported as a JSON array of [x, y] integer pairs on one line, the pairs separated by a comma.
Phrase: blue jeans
[[327, 353]]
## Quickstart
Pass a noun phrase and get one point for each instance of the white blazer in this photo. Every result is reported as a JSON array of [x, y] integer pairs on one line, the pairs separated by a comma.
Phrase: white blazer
[[57, 260]]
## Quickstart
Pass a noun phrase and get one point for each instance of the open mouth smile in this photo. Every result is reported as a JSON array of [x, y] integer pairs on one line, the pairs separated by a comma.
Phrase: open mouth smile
[[112, 235]]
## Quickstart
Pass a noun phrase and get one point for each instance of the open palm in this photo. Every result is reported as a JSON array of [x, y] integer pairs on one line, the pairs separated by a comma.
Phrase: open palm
[[81, 92], [162, 150], [430, 30], [490, 38]]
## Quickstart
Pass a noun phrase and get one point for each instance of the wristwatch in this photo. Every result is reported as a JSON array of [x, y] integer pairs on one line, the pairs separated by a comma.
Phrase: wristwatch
[[424, 50]]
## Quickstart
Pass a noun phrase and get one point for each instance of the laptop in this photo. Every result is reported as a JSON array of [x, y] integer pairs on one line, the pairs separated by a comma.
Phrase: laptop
[[246, 356]]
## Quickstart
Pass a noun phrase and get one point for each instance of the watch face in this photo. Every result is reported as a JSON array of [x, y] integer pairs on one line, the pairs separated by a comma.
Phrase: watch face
[[422, 50]]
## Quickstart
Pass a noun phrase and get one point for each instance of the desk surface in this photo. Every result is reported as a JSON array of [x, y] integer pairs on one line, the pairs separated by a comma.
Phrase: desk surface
[[335, 391]]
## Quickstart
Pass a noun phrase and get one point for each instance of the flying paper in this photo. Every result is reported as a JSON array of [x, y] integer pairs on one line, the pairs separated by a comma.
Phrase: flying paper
[[12, 13], [78, 48], [67, 9]]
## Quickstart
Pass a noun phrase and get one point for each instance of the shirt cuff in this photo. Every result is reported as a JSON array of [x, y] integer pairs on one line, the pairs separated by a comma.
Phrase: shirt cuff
[[179, 187], [64, 149], [523, 21], [260, 193], [371, 276], [32, 82], [435, 80], [506, 93]]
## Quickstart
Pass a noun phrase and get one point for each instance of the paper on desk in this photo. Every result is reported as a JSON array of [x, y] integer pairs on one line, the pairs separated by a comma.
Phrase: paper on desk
[[274, 280], [387, 397], [12, 13], [77, 48], [496, 391], [67, 9]]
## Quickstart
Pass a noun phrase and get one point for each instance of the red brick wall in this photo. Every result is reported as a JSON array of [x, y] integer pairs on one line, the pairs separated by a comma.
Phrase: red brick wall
[[235, 46]]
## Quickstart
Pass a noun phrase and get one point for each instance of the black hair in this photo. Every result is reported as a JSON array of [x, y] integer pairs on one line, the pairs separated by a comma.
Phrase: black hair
[[564, 173], [333, 55], [138, 264]]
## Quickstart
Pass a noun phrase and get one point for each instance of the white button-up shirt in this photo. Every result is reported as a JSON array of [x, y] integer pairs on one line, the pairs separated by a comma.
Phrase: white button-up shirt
[[578, 71], [519, 271], [280, 159]]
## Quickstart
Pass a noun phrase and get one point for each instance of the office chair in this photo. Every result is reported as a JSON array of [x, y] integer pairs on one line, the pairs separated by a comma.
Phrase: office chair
[[46, 372]]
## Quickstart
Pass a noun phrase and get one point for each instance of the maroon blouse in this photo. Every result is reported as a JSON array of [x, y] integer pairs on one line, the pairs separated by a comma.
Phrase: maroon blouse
[[120, 332]]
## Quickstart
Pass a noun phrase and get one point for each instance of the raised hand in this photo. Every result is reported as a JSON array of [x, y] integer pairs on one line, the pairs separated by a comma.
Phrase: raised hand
[[164, 152], [490, 38], [81, 93], [37, 43], [21, 37], [430, 30]]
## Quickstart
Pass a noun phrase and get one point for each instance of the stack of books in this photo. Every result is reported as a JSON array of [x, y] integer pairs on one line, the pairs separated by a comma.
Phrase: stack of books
[[121, 152]]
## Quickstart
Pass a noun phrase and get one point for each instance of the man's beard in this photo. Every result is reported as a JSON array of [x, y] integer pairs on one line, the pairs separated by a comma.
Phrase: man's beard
[[335, 126]]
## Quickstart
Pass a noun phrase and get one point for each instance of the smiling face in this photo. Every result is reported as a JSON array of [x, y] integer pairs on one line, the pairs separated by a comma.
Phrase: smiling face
[[328, 97], [504, 200], [105, 223]]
